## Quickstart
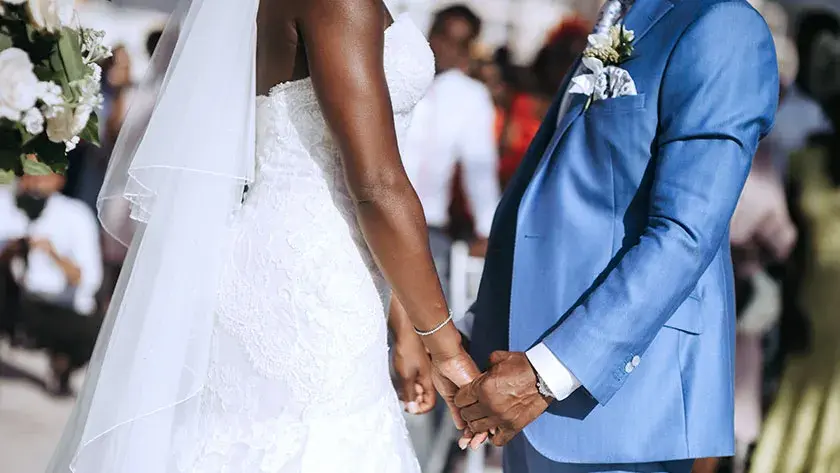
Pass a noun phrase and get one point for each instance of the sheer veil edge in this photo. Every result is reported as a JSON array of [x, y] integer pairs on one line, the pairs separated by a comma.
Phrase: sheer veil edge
[[179, 167]]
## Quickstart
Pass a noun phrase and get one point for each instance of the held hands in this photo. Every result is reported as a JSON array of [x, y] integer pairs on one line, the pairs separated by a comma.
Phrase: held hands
[[501, 401], [450, 374]]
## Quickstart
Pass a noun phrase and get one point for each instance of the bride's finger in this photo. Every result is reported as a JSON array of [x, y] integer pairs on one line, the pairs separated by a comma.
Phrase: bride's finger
[[425, 399], [466, 437], [477, 440]]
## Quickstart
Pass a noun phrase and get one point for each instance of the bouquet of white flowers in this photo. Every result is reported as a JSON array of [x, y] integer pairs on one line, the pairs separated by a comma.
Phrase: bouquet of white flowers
[[49, 85]]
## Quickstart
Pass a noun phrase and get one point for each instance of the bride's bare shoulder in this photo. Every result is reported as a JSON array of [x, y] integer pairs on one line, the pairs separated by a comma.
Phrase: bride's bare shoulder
[[340, 13]]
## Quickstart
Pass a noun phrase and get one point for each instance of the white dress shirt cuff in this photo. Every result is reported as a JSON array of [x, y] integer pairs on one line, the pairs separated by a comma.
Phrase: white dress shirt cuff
[[559, 380]]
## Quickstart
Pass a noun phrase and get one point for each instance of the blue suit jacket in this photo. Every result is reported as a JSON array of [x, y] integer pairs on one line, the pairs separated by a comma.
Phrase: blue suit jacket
[[611, 241]]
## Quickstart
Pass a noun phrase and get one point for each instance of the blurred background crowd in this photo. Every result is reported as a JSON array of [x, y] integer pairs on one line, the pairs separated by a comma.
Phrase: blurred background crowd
[[499, 64]]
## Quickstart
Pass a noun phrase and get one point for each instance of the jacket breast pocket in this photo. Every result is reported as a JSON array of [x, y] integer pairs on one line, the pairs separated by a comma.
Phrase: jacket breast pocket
[[688, 317], [625, 103]]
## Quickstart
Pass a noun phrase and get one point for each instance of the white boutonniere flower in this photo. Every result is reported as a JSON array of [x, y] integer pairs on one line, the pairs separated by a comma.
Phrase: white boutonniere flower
[[602, 58]]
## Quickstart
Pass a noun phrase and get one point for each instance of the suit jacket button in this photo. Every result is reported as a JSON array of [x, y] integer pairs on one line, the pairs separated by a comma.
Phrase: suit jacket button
[[636, 360], [628, 368]]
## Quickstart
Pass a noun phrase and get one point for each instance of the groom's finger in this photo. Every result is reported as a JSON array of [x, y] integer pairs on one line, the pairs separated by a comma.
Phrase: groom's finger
[[474, 412], [503, 436], [485, 424]]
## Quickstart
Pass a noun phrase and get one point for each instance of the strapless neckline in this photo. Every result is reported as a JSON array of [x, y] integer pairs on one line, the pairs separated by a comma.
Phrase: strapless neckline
[[401, 19]]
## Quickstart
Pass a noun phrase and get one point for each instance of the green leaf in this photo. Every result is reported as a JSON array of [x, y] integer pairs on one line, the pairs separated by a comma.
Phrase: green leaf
[[91, 131], [34, 168], [5, 41], [6, 177], [70, 53]]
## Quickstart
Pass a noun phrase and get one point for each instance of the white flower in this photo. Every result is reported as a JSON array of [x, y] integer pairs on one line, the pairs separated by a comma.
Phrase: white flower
[[95, 72], [19, 86], [60, 125], [70, 144], [33, 121], [600, 41], [81, 117], [51, 94], [51, 15], [89, 89], [66, 123], [92, 45], [592, 85]]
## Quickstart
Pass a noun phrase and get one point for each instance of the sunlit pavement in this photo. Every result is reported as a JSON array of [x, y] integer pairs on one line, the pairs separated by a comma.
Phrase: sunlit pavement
[[31, 420]]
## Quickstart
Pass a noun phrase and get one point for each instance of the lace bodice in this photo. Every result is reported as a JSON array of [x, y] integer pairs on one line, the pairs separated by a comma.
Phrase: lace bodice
[[299, 379], [292, 137]]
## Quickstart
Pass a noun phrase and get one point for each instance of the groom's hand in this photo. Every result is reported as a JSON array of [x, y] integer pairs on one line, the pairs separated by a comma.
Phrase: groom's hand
[[504, 399]]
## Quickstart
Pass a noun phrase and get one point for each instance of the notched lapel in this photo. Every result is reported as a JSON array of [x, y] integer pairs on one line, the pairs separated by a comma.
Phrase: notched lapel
[[644, 14], [578, 101]]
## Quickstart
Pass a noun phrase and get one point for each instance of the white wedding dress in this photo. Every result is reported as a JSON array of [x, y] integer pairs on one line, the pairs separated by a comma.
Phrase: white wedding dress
[[299, 377]]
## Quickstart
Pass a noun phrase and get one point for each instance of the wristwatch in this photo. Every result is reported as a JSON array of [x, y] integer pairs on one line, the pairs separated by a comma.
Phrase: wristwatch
[[542, 387]]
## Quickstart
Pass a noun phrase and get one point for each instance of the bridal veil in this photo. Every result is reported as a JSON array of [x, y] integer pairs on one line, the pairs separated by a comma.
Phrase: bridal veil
[[184, 155]]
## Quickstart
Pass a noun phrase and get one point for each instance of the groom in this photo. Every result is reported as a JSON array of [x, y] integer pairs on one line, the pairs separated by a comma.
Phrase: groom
[[606, 307]]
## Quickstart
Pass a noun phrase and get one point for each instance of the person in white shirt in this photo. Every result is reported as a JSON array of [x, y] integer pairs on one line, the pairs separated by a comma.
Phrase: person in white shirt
[[453, 124], [51, 244]]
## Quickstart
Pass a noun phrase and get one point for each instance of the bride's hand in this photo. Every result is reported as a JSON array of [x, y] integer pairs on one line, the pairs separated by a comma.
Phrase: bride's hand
[[449, 373], [414, 373]]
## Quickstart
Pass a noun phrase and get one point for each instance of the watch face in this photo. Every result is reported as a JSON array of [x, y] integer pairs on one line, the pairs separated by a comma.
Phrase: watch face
[[31, 204]]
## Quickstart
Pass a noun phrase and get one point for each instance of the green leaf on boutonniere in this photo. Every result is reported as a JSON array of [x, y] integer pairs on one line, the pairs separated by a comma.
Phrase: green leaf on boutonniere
[[91, 131]]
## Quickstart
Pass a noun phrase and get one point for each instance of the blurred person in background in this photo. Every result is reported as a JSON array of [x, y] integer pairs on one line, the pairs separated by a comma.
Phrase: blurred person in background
[[87, 161], [799, 115], [115, 213], [123, 26], [800, 433], [51, 243], [452, 127], [520, 120], [762, 235]]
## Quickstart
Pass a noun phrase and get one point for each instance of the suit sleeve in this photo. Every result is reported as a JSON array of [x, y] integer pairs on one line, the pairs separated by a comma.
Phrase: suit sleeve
[[718, 97]]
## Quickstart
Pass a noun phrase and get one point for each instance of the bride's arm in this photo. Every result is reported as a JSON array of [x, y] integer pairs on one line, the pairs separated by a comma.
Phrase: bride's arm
[[344, 43]]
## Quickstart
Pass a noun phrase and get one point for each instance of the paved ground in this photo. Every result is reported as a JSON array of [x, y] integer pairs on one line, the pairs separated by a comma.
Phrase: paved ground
[[30, 419]]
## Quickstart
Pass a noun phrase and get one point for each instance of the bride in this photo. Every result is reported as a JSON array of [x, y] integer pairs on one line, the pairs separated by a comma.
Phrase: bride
[[247, 333]]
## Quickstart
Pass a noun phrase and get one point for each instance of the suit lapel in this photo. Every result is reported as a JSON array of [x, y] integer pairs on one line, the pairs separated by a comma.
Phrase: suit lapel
[[644, 14]]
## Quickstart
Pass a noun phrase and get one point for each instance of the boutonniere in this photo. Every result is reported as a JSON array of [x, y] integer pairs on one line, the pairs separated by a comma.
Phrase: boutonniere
[[603, 58]]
